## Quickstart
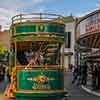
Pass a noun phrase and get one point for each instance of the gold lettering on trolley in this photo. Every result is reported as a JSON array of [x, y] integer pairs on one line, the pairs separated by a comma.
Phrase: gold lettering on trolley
[[40, 86]]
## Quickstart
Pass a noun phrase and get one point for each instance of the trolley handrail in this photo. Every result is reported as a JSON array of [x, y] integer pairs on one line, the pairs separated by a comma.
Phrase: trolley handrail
[[36, 17]]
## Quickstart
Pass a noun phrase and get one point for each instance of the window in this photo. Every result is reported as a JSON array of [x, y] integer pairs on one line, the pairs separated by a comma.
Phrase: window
[[67, 39]]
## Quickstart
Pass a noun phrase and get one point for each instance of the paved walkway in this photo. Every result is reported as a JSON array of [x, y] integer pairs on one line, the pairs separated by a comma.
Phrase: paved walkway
[[3, 86], [77, 92], [88, 87]]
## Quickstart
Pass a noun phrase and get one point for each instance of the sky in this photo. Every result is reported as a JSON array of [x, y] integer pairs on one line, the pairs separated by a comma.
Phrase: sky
[[9, 8]]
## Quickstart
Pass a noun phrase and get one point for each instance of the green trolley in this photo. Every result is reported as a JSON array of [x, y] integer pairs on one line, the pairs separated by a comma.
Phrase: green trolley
[[36, 59]]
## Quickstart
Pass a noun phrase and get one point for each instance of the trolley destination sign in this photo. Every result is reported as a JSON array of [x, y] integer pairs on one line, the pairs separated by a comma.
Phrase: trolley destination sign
[[89, 24], [37, 27]]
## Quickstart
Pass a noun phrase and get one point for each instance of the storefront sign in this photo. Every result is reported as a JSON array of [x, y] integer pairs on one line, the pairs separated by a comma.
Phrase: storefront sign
[[90, 24]]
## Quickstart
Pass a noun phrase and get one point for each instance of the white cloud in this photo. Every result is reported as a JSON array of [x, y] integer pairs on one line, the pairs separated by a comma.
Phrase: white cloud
[[82, 14], [9, 8], [5, 16], [97, 4], [18, 3]]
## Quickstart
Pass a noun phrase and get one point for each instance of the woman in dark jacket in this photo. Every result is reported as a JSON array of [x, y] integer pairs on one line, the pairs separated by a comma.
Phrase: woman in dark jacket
[[75, 75]]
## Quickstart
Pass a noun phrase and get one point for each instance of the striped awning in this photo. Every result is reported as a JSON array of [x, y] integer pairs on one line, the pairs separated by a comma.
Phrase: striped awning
[[91, 40]]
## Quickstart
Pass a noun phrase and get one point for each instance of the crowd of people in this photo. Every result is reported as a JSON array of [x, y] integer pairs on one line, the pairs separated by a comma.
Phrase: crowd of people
[[26, 58], [36, 59], [80, 74]]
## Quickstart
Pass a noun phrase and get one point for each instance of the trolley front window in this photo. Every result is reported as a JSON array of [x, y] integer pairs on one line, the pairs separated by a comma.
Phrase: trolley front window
[[40, 53]]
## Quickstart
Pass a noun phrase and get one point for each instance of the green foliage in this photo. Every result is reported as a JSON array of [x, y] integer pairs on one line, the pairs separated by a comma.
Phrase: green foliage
[[3, 50]]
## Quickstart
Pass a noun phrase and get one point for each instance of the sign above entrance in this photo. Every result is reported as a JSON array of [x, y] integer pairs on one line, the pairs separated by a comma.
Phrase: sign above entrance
[[89, 24], [88, 30]]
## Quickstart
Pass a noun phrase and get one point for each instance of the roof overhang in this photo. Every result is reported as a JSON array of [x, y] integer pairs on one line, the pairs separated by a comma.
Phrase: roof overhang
[[90, 40]]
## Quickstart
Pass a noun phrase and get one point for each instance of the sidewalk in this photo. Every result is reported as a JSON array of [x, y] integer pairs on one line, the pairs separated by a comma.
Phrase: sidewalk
[[3, 86], [75, 91], [88, 87]]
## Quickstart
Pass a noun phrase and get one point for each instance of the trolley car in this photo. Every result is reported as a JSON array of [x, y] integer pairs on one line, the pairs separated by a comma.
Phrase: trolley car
[[36, 59]]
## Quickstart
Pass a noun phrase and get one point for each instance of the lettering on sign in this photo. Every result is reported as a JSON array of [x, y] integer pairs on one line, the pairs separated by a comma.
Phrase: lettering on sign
[[41, 28], [93, 25], [88, 25], [40, 78], [40, 86]]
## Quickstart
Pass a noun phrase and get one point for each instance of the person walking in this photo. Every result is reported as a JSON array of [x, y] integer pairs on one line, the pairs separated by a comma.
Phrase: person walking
[[75, 75], [79, 76]]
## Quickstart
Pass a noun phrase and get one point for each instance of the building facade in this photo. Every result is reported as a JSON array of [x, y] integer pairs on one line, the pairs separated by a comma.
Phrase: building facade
[[69, 51], [5, 39]]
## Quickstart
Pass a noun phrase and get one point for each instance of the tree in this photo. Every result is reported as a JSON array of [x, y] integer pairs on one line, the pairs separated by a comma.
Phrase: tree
[[3, 51]]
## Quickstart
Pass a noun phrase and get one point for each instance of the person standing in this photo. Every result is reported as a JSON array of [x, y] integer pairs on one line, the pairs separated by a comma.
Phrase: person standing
[[84, 73], [98, 76], [3, 71], [94, 76], [8, 76]]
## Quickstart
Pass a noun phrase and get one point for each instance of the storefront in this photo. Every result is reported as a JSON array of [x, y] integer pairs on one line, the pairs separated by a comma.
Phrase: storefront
[[88, 35], [88, 30]]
